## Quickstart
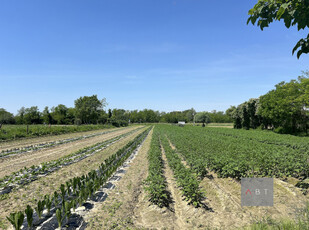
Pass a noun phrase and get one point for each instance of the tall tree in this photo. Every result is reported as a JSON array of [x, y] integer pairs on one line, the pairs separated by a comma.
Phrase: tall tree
[[202, 117], [6, 117], [88, 109], [292, 12], [20, 116], [46, 116], [189, 114], [32, 115], [60, 114]]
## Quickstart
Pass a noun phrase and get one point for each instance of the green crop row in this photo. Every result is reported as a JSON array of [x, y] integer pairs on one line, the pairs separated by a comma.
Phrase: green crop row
[[186, 179], [156, 184], [76, 191], [10, 132], [264, 136], [232, 154]]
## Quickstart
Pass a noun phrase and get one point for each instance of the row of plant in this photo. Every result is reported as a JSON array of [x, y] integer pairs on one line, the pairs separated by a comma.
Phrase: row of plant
[[75, 191], [265, 136], [237, 157], [186, 179], [156, 184], [195, 164], [27, 175], [12, 132], [30, 148]]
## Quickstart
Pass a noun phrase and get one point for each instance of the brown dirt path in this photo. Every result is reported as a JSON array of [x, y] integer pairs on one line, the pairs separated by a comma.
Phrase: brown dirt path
[[31, 193], [38, 140], [17, 162]]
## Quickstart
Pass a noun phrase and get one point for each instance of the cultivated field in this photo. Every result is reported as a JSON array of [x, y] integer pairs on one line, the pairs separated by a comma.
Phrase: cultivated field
[[12, 132], [155, 177]]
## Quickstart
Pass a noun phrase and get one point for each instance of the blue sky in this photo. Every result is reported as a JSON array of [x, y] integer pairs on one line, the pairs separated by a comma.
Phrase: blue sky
[[160, 54]]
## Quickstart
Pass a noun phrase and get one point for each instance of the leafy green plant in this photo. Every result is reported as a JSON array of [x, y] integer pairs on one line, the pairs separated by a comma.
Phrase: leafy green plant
[[56, 195], [155, 183], [40, 207], [48, 203], [16, 219], [63, 193], [59, 217], [67, 210], [29, 214], [186, 180], [239, 153], [68, 187], [73, 204]]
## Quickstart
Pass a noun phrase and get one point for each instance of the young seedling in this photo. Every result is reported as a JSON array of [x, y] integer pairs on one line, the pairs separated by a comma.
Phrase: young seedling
[[68, 187], [89, 188], [74, 184], [39, 209], [56, 198], [63, 192], [59, 217], [67, 209], [29, 214], [80, 200], [62, 189], [73, 205], [16, 219], [48, 203]]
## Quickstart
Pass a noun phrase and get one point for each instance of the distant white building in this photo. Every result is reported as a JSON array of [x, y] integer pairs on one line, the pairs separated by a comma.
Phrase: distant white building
[[181, 123]]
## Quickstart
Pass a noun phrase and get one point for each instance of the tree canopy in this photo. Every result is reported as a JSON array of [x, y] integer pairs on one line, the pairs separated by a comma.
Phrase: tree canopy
[[6, 117], [202, 117], [285, 108], [88, 109], [292, 12]]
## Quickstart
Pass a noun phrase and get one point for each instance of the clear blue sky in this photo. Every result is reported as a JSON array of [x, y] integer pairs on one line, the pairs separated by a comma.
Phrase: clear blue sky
[[160, 54]]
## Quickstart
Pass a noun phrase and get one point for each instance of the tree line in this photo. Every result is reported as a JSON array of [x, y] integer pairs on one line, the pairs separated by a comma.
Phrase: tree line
[[90, 110], [284, 109]]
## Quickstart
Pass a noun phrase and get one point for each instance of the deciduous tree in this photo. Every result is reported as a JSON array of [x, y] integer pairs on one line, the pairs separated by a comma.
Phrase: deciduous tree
[[88, 109], [292, 12]]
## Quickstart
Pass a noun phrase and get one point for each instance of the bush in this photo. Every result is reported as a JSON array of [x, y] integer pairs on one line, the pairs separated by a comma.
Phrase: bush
[[118, 123]]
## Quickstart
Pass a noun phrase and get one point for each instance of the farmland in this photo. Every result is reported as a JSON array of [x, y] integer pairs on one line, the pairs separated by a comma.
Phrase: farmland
[[155, 177], [12, 132]]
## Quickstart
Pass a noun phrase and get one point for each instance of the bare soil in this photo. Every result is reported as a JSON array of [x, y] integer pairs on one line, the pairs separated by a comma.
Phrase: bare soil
[[30, 194], [19, 161]]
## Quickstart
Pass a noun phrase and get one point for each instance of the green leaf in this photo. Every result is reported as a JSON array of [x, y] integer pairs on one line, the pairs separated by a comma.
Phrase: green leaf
[[280, 12]]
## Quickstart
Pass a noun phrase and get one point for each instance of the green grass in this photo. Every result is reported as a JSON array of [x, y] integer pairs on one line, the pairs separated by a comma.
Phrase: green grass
[[212, 124], [220, 124]]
